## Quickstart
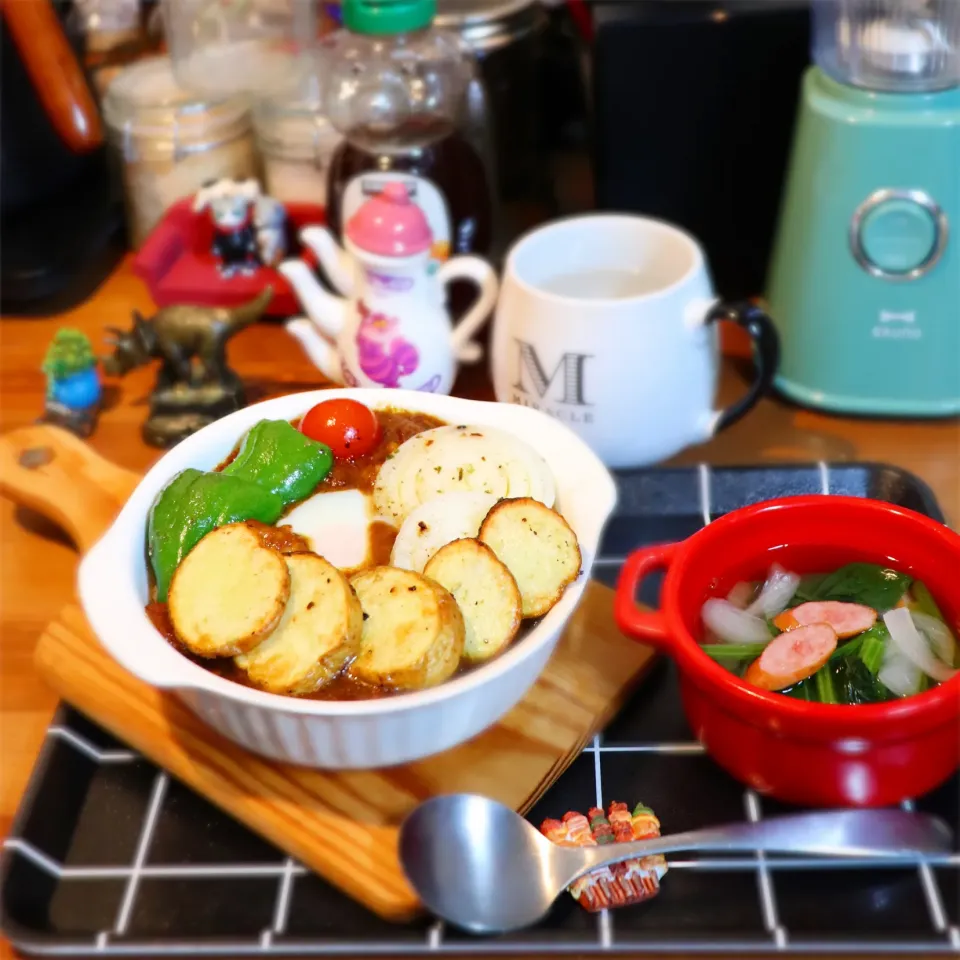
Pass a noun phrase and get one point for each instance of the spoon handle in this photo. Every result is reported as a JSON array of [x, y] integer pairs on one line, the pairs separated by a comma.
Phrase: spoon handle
[[895, 834]]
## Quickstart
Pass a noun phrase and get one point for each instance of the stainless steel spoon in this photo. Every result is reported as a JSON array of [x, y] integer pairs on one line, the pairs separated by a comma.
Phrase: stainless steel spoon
[[479, 865]]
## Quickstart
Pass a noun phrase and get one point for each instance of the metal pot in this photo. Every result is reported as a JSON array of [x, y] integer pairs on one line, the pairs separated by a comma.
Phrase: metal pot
[[504, 37]]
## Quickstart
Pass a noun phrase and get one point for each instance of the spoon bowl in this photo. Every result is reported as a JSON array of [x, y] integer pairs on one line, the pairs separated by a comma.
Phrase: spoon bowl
[[477, 864]]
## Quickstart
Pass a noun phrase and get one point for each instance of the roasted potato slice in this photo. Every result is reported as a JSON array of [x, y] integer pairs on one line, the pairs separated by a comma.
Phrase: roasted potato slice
[[318, 634], [413, 631], [228, 594], [537, 546], [485, 591]]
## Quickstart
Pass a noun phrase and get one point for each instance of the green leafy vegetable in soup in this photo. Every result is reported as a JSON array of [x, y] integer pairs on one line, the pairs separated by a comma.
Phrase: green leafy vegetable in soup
[[861, 634], [281, 459], [191, 505], [866, 583]]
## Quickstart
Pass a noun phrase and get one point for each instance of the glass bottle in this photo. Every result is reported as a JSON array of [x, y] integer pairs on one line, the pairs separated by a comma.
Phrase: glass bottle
[[396, 90]]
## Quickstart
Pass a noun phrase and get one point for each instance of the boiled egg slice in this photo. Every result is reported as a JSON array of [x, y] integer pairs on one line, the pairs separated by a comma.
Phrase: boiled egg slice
[[335, 524]]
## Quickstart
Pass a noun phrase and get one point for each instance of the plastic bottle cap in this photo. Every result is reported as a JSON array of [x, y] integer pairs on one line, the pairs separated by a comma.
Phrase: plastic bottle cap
[[388, 16]]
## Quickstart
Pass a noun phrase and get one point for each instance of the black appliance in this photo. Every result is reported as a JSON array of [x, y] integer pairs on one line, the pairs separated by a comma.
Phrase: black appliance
[[694, 108], [61, 213]]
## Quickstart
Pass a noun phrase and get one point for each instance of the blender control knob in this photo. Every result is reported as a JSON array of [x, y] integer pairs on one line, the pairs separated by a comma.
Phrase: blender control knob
[[898, 234]]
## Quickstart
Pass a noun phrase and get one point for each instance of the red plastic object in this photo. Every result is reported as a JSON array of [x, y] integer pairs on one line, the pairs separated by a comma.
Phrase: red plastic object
[[807, 753], [582, 18], [177, 265]]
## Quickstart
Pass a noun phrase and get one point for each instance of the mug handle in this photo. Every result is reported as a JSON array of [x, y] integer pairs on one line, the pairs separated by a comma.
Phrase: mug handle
[[484, 276], [638, 624], [766, 354]]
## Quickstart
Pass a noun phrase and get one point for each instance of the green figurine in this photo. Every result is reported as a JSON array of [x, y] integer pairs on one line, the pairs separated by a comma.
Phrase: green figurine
[[74, 391]]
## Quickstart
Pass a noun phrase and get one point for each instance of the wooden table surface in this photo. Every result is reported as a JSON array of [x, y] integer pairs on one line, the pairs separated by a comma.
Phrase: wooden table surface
[[37, 564]]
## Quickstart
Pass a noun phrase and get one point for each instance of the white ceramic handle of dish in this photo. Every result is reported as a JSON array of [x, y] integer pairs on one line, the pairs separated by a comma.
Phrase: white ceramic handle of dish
[[114, 612]]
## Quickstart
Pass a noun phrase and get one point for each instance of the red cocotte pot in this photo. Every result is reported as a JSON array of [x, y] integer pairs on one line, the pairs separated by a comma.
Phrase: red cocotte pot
[[806, 753]]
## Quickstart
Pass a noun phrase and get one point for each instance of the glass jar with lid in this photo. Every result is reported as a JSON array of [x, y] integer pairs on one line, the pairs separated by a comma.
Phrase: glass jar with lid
[[296, 140], [222, 47], [169, 142]]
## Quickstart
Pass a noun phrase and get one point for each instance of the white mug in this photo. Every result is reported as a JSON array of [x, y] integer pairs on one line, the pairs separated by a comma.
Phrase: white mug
[[608, 323]]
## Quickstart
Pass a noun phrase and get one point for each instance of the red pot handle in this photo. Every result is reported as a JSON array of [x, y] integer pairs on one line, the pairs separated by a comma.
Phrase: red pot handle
[[647, 625]]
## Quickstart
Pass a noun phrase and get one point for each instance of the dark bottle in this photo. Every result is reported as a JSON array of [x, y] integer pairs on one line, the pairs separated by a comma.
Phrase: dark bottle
[[395, 90]]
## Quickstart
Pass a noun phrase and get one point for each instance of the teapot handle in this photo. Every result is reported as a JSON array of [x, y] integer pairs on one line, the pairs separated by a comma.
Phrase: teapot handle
[[485, 277]]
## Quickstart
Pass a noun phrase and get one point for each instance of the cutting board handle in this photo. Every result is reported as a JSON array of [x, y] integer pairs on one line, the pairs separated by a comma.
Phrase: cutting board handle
[[49, 470]]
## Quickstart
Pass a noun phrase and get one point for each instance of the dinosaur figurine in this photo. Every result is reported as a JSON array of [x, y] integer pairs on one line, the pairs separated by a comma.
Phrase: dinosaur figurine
[[194, 384]]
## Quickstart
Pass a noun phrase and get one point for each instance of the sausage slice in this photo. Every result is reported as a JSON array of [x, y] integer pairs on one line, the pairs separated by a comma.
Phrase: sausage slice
[[847, 619], [793, 656]]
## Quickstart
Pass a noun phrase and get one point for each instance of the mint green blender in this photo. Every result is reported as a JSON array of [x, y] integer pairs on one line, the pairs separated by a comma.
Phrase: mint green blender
[[864, 283]]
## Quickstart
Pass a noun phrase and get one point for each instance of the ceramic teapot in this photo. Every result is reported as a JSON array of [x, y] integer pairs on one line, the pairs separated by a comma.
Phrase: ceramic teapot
[[391, 329]]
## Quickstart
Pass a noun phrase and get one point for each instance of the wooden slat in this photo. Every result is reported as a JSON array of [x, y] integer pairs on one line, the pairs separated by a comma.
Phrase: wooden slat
[[343, 825]]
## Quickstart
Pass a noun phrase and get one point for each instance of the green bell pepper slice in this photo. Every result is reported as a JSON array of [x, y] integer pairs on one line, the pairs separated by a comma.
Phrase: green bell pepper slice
[[191, 505], [281, 459]]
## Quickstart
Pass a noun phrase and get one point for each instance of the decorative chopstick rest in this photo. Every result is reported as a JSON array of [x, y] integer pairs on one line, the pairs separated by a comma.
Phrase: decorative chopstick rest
[[623, 883]]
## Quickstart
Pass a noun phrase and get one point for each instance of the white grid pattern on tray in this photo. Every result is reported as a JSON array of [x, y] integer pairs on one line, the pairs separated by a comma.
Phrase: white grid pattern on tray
[[287, 871], [157, 793]]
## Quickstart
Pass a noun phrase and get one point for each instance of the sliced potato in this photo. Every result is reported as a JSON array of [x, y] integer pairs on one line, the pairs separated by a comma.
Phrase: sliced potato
[[436, 523], [472, 459], [537, 546], [229, 593], [318, 634], [413, 631], [486, 593]]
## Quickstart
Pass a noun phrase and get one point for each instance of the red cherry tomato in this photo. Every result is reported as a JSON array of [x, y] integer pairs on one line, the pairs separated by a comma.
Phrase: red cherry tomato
[[347, 427]]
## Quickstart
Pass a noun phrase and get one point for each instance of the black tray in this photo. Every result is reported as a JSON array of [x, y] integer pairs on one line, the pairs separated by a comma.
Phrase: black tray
[[110, 857]]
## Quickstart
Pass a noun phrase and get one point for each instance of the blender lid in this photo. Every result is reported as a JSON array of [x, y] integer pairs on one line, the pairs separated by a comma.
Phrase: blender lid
[[913, 48]]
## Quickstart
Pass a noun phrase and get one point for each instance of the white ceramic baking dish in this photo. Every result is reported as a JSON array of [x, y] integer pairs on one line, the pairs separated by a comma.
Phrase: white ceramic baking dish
[[329, 734]]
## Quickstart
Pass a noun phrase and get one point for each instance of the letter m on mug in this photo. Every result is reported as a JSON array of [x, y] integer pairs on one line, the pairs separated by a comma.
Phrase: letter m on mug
[[564, 383]]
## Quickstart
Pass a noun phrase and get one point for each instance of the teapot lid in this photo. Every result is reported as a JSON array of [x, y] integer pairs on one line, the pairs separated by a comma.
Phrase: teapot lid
[[390, 224]]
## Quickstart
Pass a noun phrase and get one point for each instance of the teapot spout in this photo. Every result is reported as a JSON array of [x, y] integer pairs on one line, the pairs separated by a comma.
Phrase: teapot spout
[[321, 352], [335, 260], [328, 312]]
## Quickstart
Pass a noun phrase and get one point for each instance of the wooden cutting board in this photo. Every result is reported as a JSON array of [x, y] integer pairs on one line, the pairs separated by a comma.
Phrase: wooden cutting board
[[342, 825]]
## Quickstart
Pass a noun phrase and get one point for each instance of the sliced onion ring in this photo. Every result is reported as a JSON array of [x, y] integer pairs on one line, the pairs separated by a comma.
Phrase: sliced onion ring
[[899, 674], [905, 635], [777, 592], [741, 594], [733, 625], [938, 633]]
